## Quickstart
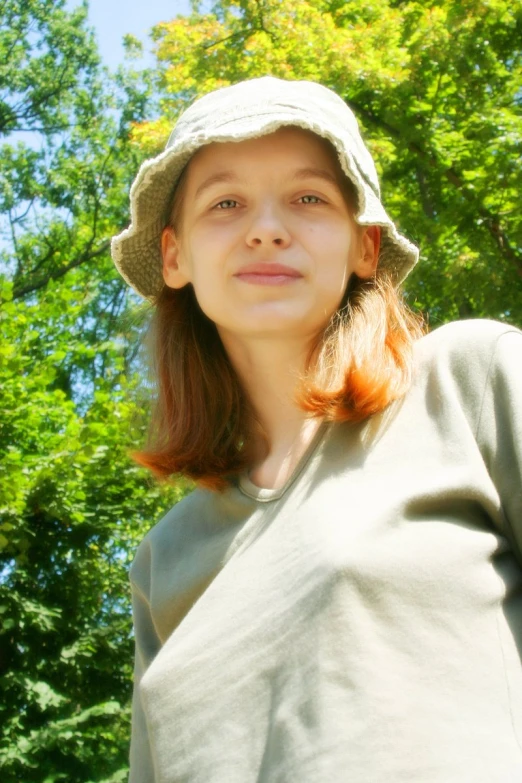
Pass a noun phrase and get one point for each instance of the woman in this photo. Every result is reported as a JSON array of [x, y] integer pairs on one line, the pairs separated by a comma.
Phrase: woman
[[340, 598]]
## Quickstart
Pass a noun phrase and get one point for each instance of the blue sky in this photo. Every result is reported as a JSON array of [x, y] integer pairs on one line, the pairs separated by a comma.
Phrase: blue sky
[[112, 19]]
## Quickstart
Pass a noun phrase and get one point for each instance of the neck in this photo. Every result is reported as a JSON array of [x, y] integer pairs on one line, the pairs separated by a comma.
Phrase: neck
[[270, 372]]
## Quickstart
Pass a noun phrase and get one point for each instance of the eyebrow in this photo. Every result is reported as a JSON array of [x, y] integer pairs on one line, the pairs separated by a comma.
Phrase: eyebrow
[[216, 179], [315, 173], [228, 177]]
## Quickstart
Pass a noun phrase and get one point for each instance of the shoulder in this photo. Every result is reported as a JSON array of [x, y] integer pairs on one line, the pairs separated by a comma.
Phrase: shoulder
[[203, 521], [460, 337], [461, 362], [171, 534], [471, 368], [467, 347]]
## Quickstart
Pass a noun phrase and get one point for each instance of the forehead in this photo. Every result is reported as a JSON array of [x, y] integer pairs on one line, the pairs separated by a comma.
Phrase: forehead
[[286, 148], [282, 153]]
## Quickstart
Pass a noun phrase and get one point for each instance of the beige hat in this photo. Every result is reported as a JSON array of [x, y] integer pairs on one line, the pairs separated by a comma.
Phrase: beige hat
[[244, 111]]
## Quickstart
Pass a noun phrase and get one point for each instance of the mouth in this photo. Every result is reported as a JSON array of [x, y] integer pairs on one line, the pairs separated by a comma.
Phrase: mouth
[[267, 274]]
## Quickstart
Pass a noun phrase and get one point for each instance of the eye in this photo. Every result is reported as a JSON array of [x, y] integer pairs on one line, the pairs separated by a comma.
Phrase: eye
[[227, 203], [311, 199]]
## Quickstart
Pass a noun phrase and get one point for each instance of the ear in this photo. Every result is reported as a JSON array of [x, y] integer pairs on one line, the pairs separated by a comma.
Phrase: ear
[[174, 273], [370, 242]]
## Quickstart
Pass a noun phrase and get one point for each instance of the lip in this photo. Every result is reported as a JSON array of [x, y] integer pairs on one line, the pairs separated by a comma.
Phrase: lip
[[262, 273]]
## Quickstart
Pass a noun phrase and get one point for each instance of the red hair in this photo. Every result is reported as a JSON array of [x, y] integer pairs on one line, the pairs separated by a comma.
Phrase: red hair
[[203, 424]]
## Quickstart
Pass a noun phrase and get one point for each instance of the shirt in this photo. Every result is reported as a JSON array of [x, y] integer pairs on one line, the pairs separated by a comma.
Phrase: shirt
[[364, 622]]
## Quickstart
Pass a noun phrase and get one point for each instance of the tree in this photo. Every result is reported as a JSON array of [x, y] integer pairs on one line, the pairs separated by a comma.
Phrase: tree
[[72, 504], [73, 511], [61, 184], [437, 89]]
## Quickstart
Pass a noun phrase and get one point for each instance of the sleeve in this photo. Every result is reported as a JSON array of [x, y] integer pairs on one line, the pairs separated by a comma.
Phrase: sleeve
[[499, 431], [147, 645]]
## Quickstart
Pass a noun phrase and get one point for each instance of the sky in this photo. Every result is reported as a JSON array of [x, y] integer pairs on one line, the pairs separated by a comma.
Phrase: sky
[[112, 19]]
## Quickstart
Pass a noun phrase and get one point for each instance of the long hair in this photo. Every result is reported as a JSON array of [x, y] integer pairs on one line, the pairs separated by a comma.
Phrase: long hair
[[203, 424]]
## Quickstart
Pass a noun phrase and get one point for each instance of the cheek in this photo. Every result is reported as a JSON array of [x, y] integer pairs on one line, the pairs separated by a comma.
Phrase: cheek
[[206, 280], [210, 255], [192, 258], [335, 270], [336, 258]]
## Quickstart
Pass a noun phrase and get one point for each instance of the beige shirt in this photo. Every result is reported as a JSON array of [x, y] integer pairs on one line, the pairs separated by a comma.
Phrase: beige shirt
[[364, 622]]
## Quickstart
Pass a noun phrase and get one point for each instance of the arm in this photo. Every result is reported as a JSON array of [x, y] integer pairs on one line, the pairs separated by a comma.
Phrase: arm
[[147, 645], [499, 431]]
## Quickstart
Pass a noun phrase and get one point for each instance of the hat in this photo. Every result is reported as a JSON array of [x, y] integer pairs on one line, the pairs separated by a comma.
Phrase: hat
[[245, 111]]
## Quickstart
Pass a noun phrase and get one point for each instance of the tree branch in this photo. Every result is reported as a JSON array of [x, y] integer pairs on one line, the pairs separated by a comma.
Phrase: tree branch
[[241, 34], [18, 293]]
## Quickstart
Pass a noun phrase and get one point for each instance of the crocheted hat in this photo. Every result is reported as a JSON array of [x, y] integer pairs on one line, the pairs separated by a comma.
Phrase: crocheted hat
[[245, 111]]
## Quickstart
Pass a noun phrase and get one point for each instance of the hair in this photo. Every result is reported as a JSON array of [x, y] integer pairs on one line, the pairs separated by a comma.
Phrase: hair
[[203, 425]]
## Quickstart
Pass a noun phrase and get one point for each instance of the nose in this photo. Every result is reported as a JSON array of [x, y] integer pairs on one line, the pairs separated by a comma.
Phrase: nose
[[267, 229]]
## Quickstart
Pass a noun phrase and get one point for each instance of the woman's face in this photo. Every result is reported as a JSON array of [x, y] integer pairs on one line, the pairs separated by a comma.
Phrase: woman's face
[[266, 236]]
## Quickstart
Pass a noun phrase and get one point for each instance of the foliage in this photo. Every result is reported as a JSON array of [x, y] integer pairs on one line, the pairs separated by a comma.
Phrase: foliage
[[437, 88], [72, 505], [65, 162], [72, 512]]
